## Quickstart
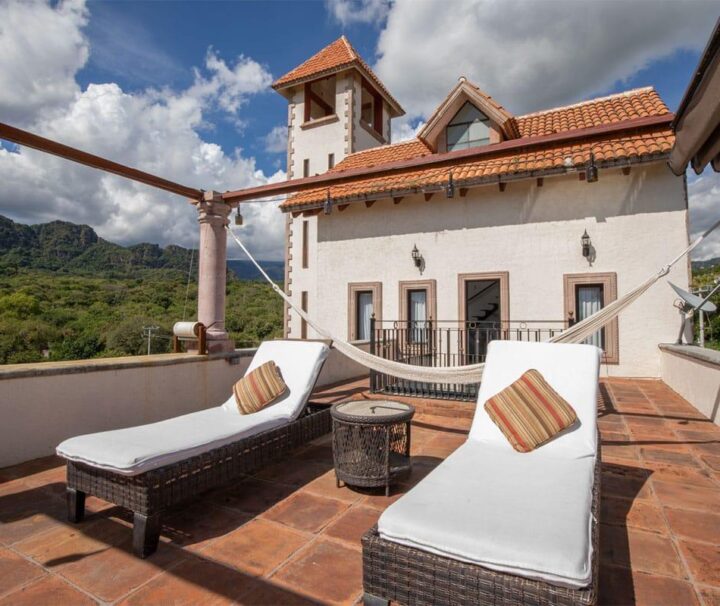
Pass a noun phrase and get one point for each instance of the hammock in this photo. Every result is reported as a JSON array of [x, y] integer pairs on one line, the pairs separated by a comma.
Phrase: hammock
[[472, 373]]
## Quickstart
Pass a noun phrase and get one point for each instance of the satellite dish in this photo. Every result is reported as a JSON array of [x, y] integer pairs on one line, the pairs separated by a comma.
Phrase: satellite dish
[[693, 300]]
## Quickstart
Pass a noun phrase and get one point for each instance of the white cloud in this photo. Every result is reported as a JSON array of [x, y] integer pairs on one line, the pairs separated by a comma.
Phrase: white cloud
[[276, 140], [349, 12], [704, 203], [403, 130], [529, 55], [41, 49], [155, 130]]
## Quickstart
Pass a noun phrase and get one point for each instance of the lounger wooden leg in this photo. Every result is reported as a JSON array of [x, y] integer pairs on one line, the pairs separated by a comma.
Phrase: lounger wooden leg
[[372, 600], [146, 534], [75, 505]]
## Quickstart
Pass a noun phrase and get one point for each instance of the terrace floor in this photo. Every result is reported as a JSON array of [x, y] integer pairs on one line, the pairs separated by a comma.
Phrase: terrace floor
[[288, 536]]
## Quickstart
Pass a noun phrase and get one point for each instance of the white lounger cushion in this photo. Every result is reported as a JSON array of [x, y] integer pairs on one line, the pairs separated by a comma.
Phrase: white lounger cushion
[[503, 510], [135, 450], [571, 370]]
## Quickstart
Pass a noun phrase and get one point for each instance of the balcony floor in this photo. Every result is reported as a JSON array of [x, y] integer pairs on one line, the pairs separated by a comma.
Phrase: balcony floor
[[288, 536]]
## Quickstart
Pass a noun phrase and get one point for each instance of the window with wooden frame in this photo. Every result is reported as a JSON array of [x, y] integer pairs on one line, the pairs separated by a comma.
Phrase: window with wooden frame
[[319, 99], [305, 244], [417, 305], [304, 307], [371, 108], [364, 300], [586, 294]]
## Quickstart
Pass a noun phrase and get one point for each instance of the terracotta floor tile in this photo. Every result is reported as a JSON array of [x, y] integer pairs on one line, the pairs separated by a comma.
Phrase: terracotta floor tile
[[376, 498], [353, 524], [685, 475], [266, 593], [16, 571], [697, 525], [703, 560], [615, 586], [26, 512], [253, 496], [620, 451], [632, 513], [320, 453], [669, 457], [687, 496], [326, 486], [325, 571], [305, 511], [622, 483], [199, 524], [48, 591], [194, 582], [710, 596], [258, 547], [712, 462], [639, 550], [651, 590], [294, 472], [115, 571]]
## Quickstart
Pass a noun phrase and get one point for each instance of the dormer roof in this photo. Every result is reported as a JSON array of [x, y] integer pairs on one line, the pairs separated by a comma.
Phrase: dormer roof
[[335, 57], [467, 91]]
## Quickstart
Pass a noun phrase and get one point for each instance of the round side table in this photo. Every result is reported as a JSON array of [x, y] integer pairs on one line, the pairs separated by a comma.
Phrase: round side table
[[371, 442]]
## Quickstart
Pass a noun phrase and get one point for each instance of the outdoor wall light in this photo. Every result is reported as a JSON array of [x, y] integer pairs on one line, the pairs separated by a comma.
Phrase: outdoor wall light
[[450, 187], [592, 170], [586, 245], [418, 258], [238, 216]]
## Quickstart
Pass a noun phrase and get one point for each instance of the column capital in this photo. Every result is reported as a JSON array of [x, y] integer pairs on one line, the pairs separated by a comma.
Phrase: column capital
[[213, 209]]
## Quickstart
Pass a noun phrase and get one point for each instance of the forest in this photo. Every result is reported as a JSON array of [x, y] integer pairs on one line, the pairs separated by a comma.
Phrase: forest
[[66, 294]]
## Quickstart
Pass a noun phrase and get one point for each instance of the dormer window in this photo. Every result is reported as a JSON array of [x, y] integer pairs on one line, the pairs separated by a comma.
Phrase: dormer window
[[469, 128], [371, 108], [319, 99]]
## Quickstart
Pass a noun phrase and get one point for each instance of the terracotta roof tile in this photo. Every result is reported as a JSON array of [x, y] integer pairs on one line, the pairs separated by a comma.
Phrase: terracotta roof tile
[[335, 57], [617, 147], [636, 103]]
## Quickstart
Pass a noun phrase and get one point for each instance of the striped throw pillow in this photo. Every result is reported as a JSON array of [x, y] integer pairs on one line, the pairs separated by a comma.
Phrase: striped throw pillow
[[259, 388], [529, 412]]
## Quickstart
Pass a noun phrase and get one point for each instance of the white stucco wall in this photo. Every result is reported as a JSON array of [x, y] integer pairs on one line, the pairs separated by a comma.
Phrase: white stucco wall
[[694, 373], [637, 223], [43, 404]]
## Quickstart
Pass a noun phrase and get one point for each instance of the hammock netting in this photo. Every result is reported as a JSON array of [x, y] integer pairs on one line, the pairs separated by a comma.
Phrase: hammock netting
[[472, 373]]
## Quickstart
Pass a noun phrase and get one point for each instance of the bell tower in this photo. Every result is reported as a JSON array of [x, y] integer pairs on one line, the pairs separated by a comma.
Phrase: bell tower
[[336, 106]]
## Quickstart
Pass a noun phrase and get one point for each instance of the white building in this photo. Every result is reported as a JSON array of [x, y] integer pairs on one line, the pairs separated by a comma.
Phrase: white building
[[487, 244]]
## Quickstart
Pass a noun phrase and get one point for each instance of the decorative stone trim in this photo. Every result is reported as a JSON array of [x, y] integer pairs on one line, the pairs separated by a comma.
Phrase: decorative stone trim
[[428, 285], [353, 289], [288, 272], [348, 114], [502, 276], [319, 122], [608, 281], [291, 140]]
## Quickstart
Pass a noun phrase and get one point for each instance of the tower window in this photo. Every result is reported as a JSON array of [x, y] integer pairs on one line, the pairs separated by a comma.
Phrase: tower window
[[306, 167], [371, 108], [331, 161], [319, 98], [469, 128]]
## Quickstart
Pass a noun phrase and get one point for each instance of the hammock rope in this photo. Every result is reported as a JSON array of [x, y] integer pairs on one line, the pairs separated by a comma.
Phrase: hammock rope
[[472, 373]]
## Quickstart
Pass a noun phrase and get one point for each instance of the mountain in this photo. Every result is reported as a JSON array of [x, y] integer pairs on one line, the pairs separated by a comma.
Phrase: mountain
[[706, 263], [245, 270], [77, 249]]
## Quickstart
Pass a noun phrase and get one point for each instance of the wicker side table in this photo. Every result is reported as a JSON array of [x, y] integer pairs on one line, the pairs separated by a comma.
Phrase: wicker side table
[[371, 442]]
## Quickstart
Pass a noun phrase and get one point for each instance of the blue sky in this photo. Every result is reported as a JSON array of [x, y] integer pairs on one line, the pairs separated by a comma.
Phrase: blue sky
[[139, 44], [182, 89], [169, 39]]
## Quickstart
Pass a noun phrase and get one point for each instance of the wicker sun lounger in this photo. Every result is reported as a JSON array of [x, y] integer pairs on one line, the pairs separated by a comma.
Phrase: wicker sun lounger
[[167, 479], [493, 526]]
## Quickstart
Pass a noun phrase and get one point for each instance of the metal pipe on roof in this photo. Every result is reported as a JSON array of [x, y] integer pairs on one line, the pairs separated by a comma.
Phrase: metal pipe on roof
[[28, 139]]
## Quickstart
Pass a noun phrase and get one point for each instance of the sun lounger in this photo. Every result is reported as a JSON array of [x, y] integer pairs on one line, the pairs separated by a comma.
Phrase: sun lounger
[[493, 525], [150, 468]]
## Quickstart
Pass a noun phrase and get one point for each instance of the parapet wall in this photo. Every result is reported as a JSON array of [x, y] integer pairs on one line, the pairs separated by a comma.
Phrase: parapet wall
[[43, 404]]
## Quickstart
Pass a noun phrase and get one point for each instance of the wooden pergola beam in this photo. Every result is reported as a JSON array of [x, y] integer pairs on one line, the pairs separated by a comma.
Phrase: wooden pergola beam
[[22, 137]]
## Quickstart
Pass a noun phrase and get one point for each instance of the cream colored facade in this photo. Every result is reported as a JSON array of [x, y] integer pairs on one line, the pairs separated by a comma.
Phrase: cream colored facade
[[637, 223]]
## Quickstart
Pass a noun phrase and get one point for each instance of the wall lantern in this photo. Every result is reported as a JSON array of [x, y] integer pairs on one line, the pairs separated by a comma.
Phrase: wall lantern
[[450, 187], [238, 216], [592, 170], [586, 245], [418, 258]]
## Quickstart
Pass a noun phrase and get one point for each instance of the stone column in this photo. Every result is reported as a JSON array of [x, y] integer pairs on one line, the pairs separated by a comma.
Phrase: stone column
[[213, 217]]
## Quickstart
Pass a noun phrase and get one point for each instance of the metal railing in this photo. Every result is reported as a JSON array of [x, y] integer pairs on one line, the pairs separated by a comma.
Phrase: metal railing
[[444, 343]]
